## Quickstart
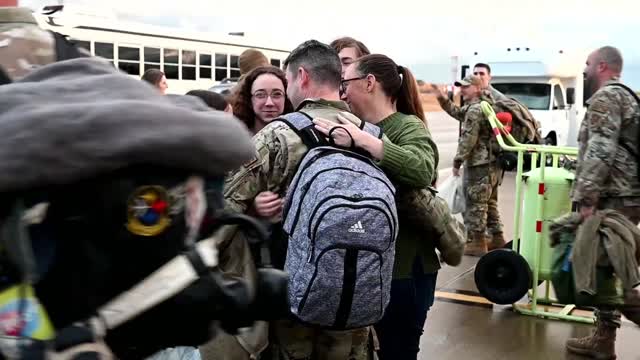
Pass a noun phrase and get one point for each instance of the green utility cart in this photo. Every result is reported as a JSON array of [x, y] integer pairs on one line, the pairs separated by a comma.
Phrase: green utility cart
[[505, 276]]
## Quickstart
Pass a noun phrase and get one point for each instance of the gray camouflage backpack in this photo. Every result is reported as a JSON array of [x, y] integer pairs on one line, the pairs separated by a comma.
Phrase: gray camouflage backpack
[[341, 221]]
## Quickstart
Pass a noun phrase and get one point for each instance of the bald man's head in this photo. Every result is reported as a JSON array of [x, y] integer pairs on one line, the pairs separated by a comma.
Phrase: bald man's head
[[603, 65], [612, 57]]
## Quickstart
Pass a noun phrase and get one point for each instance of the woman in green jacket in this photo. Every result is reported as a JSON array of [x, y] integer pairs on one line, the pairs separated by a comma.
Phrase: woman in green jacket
[[383, 93]]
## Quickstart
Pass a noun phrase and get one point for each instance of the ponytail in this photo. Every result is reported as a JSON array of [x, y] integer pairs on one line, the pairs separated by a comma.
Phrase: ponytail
[[397, 83], [408, 98]]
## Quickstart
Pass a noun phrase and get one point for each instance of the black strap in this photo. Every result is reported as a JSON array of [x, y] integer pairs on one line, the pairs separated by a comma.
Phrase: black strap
[[197, 262], [333, 142], [307, 132], [627, 146], [4, 78], [65, 49], [624, 144], [350, 273]]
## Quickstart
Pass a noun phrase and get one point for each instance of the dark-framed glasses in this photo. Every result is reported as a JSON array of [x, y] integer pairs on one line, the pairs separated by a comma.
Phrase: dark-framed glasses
[[263, 95], [344, 84]]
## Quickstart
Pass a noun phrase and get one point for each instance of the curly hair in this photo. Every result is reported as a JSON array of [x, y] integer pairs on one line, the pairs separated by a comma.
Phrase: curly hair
[[241, 100]]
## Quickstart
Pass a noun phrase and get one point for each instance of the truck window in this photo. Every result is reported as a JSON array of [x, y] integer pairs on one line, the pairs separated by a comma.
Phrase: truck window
[[558, 97], [534, 96]]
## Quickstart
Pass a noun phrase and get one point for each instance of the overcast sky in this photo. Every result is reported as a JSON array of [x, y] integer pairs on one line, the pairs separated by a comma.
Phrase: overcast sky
[[420, 34]]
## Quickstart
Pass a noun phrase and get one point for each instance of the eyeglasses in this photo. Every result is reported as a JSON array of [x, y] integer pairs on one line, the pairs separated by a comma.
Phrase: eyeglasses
[[344, 84], [275, 95], [479, 73]]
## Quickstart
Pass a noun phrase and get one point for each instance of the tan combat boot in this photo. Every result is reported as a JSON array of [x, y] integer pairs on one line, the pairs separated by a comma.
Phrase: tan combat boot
[[477, 246], [497, 241], [601, 345]]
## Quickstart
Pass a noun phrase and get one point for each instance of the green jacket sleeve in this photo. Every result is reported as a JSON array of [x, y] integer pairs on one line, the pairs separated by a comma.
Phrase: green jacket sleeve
[[412, 157]]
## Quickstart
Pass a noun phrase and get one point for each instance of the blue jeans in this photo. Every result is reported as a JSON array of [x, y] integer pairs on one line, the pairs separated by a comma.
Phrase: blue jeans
[[402, 325]]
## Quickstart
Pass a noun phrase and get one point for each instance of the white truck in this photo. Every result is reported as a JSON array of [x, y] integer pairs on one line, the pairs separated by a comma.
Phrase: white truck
[[549, 82]]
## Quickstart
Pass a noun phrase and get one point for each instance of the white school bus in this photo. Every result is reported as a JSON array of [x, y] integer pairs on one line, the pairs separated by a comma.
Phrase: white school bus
[[189, 60]]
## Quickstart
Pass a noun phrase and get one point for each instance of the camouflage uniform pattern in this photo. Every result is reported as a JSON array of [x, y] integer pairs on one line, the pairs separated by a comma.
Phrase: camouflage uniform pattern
[[476, 149], [476, 145], [607, 163], [306, 343], [279, 150], [458, 112], [481, 213], [606, 174], [23, 45]]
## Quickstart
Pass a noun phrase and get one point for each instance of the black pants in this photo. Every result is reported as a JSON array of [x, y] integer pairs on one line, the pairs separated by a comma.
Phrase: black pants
[[400, 329]]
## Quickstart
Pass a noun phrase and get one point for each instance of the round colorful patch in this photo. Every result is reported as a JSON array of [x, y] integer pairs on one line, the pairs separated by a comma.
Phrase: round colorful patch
[[148, 211]]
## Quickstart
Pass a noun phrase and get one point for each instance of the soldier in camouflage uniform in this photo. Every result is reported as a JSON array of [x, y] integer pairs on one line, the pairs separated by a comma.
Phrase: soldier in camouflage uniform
[[477, 149], [313, 74], [488, 93], [23, 45], [607, 178]]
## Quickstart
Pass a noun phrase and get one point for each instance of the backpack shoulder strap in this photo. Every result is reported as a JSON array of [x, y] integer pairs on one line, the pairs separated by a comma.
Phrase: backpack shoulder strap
[[624, 144], [302, 124], [635, 96], [65, 50]]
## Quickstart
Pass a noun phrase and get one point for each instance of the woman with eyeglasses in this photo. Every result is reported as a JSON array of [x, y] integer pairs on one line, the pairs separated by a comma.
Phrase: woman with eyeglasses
[[383, 93], [261, 97]]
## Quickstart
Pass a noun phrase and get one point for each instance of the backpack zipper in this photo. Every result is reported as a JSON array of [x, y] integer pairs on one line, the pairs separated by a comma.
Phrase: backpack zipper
[[308, 185]]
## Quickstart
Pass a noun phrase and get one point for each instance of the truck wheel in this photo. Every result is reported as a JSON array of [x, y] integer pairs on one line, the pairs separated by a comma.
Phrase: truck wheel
[[503, 276]]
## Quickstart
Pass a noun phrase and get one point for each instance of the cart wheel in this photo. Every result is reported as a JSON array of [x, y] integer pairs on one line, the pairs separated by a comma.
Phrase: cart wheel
[[503, 276]]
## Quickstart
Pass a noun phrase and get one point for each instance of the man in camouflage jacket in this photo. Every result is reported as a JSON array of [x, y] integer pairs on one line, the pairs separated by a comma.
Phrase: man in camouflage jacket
[[607, 178], [279, 150], [23, 45], [477, 149]]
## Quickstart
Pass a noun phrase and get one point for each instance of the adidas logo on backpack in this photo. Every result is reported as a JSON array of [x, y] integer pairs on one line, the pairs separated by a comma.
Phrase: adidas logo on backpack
[[338, 279], [357, 228]]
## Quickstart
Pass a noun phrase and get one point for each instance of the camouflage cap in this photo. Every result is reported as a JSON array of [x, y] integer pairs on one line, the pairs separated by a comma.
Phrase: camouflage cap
[[469, 80]]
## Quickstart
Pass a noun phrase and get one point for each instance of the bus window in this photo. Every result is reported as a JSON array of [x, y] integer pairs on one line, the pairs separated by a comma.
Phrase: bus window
[[83, 44], [235, 66], [129, 60], [205, 66], [171, 69], [104, 50], [221, 67], [234, 61], [188, 65], [151, 58]]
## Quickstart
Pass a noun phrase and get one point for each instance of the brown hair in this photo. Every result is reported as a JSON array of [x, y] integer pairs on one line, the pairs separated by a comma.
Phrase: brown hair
[[251, 59], [153, 76], [397, 82], [349, 42], [241, 100]]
